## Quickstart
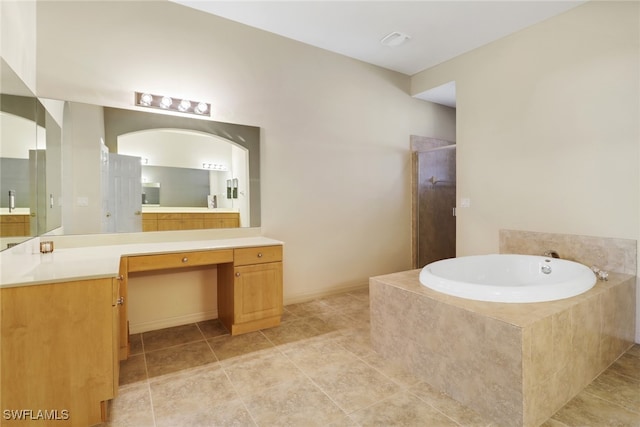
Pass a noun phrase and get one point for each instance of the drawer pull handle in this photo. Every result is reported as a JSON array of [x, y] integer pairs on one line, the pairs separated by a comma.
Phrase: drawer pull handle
[[185, 259], [238, 274], [259, 254]]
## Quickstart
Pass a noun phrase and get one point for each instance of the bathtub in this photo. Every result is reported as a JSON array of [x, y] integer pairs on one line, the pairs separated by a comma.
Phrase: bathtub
[[508, 278]]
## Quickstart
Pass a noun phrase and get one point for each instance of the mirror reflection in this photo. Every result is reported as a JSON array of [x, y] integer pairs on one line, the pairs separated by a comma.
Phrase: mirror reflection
[[183, 176], [124, 170], [30, 156]]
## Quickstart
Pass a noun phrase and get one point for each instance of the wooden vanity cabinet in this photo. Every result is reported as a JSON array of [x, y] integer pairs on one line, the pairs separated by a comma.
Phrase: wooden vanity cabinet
[[250, 289], [59, 351], [189, 221], [249, 285], [14, 225]]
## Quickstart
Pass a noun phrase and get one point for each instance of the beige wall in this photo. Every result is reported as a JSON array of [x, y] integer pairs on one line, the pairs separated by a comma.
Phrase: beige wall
[[335, 132], [18, 39], [548, 130]]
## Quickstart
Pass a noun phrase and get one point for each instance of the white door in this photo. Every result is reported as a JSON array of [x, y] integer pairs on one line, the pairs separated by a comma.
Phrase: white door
[[107, 222], [125, 192]]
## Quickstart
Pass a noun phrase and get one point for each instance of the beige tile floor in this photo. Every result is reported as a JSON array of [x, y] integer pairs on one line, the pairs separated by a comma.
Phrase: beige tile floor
[[316, 369]]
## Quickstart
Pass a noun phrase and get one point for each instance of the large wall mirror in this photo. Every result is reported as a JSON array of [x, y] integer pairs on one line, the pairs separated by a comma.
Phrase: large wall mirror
[[123, 170], [30, 163], [138, 171]]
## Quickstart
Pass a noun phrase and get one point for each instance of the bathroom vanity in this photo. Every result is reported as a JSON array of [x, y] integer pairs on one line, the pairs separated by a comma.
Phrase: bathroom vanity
[[14, 225], [64, 323], [249, 284]]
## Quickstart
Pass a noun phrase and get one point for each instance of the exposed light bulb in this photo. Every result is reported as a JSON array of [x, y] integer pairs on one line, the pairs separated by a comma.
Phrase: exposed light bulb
[[201, 108], [146, 99], [184, 105], [166, 102]]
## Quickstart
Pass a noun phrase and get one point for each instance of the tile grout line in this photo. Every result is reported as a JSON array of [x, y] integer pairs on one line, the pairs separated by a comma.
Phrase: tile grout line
[[244, 404], [608, 401], [319, 388], [146, 370], [206, 340], [358, 357]]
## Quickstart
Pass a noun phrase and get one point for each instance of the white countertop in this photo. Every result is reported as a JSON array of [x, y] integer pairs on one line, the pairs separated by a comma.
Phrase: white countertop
[[16, 211], [177, 209], [22, 269]]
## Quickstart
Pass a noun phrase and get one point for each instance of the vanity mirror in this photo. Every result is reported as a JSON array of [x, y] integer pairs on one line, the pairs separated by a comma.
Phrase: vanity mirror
[[79, 198], [156, 167], [30, 163]]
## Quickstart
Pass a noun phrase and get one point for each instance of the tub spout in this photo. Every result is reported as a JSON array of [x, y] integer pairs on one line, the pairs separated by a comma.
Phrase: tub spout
[[552, 254]]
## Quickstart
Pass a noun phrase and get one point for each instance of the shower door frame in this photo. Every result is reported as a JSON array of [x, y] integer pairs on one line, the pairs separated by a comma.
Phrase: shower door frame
[[420, 144]]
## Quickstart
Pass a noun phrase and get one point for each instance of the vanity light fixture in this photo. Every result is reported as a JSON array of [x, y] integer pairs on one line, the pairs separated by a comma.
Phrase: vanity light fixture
[[214, 167], [164, 102]]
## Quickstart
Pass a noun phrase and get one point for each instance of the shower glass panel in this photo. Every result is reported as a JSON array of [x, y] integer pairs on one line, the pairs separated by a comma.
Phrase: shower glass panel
[[436, 224]]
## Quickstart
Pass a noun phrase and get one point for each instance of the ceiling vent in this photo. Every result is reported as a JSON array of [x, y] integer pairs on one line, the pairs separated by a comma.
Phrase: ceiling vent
[[395, 39]]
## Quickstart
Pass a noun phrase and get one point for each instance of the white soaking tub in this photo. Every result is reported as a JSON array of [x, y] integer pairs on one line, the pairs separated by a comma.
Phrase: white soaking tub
[[508, 278]]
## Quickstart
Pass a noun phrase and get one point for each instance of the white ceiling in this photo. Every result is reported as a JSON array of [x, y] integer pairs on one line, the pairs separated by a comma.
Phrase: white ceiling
[[438, 30]]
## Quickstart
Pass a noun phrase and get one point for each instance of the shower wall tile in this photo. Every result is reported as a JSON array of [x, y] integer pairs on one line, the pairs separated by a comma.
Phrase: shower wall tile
[[619, 255]]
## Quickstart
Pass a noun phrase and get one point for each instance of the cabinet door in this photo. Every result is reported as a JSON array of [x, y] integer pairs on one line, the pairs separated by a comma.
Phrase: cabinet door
[[57, 349], [122, 307], [258, 292]]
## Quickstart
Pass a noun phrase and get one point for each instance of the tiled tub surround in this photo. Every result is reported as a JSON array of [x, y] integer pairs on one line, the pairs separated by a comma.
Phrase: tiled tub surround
[[619, 255], [532, 358], [514, 363]]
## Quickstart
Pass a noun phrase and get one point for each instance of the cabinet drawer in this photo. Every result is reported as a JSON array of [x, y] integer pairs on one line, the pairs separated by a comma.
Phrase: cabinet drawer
[[178, 260], [164, 216], [12, 219], [257, 255]]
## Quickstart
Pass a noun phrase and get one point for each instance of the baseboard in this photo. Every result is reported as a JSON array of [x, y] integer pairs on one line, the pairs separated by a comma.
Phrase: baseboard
[[295, 299], [152, 325]]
